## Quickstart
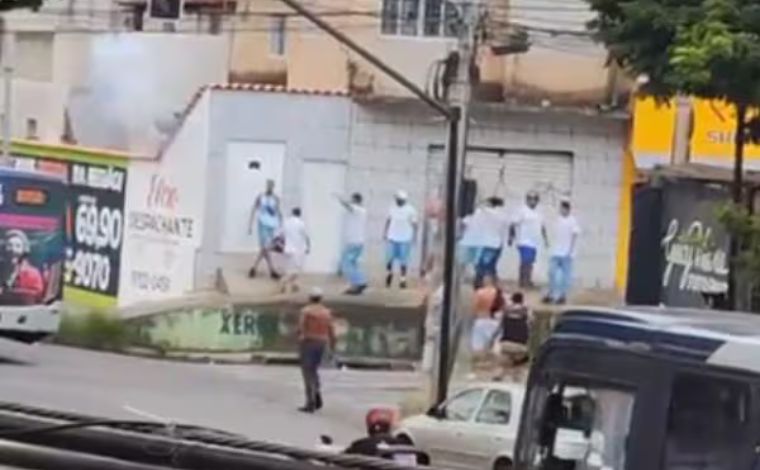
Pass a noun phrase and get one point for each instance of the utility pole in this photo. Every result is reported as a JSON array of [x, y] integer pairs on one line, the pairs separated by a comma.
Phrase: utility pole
[[6, 57], [460, 97]]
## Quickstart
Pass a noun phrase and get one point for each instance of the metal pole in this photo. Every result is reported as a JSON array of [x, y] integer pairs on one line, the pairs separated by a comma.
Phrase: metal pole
[[366, 55], [7, 62], [449, 258]]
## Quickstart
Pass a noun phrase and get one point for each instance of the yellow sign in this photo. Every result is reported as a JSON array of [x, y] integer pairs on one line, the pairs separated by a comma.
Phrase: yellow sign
[[714, 131], [712, 134]]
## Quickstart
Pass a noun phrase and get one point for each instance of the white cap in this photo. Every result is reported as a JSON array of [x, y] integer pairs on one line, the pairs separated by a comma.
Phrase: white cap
[[401, 194], [316, 292]]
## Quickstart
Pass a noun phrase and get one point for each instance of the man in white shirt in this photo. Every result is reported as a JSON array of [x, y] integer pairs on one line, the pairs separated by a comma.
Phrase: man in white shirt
[[400, 234], [563, 247], [354, 238], [528, 230], [297, 246], [492, 224]]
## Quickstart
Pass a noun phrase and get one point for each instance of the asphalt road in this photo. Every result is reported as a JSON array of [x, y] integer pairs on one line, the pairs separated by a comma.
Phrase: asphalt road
[[257, 401]]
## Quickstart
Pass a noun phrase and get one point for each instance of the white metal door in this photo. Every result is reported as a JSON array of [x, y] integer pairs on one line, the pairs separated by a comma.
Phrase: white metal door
[[248, 166], [322, 213]]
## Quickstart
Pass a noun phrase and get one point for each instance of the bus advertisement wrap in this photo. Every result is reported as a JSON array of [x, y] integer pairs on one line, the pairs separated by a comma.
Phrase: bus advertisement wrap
[[31, 243]]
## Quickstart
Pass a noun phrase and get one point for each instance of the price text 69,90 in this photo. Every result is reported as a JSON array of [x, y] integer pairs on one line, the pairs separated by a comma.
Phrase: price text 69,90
[[98, 227]]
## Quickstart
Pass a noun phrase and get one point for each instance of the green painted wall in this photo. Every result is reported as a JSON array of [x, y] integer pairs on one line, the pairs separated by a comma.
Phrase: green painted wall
[[381, 333]]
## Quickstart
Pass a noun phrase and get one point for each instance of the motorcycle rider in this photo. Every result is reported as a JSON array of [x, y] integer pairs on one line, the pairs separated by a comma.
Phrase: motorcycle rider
[[381, 443]]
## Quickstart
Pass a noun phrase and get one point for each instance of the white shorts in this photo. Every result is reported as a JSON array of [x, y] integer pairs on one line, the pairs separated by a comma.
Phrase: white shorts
[[294, 262]]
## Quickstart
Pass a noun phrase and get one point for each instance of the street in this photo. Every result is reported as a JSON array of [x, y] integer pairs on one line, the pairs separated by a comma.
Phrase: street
[[255, 400]]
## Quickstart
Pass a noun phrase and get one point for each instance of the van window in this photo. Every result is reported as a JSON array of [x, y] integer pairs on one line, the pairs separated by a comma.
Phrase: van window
[[708, 420]]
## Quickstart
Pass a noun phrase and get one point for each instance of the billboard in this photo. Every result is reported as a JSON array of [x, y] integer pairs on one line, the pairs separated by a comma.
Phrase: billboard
[[94, 224]]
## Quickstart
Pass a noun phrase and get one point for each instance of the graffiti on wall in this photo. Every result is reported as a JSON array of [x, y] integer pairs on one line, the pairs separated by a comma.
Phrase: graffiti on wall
[[694, 244], [692, 250], [270, 328]]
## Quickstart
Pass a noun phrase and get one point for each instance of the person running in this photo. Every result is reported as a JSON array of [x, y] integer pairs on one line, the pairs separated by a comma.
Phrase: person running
[[528, 229], [492, 223], [354, 238], [297, 246], [563, 246], [400, 234], [266, 213], [316, 333]]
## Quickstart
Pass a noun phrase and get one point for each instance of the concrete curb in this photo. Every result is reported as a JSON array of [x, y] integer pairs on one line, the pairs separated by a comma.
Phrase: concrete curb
[[271, 358]]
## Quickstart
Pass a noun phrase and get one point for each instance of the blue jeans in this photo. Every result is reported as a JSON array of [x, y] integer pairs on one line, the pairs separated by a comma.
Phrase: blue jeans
[[350, 265], [311, 352], [486, 266], [398, 251], [560, 275]]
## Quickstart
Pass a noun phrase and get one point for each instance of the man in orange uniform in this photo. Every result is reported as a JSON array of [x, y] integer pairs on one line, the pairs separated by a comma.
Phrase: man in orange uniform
[[316, 333]]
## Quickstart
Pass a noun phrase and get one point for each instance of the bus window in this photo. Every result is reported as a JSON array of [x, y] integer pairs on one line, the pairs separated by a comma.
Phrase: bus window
[[581, 428], [708, 424]]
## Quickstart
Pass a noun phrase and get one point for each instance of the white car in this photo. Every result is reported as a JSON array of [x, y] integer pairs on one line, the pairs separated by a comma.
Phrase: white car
[[475, 429]]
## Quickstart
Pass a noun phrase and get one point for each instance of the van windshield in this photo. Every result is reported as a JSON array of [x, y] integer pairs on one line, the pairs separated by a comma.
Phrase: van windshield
[[577, 425]]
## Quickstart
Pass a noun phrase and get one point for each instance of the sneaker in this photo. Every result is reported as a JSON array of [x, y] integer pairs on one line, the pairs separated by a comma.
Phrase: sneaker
[[402, 284], [547, 300], [318, 402], [306, 409], [252, 273], [275, 275], [388, 280]]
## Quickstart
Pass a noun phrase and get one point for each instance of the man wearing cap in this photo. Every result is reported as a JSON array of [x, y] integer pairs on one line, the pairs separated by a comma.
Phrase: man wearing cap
[[563, 246], [315, 333], [528, 229], [400, 234]]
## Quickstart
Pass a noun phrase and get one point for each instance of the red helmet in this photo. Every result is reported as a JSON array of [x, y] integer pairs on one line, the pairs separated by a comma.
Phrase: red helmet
[[380, 420]]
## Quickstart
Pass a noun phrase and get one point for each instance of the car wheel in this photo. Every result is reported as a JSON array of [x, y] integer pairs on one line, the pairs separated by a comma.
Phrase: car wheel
[[503, 464]]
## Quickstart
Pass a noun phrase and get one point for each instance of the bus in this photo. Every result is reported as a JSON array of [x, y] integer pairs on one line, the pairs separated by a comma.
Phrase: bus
[[32, 254], [644, 389]]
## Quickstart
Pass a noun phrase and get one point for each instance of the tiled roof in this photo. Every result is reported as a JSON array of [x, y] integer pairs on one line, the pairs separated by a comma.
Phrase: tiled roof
[[275, 89], [261, 88]]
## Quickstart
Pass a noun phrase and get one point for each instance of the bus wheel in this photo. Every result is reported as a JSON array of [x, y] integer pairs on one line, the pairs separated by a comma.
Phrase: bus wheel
[[503, 464]]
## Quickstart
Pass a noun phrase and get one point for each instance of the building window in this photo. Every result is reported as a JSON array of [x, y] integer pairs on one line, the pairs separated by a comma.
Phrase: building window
[[432, 18], [277, 35], [34, 56]]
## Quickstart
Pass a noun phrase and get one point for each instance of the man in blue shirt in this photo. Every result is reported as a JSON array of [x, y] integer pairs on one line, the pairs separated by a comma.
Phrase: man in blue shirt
[[266, 212]]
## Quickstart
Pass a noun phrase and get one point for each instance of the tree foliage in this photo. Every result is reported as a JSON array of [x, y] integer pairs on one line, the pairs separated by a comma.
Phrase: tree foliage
[[7, 5]]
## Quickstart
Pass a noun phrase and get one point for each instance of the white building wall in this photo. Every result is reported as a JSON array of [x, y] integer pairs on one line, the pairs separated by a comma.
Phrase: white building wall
[[312, 127], [386, 148], [164, 216], [389, 148]]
